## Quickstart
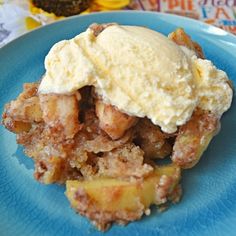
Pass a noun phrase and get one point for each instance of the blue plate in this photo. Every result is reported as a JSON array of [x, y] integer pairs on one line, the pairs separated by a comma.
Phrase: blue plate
[[208, 206]]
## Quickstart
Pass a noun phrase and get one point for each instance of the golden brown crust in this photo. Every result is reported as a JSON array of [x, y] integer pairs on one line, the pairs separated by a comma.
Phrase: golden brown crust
[[152, 140], [128, 160], [68, 143]]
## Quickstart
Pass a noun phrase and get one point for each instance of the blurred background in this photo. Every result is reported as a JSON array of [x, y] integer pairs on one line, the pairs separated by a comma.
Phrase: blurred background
[[20, 16]]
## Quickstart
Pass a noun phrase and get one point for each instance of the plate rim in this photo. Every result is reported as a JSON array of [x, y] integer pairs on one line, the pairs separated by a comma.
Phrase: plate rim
[[230, 37]]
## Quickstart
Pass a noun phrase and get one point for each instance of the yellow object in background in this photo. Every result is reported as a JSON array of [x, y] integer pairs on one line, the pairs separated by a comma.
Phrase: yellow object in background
[[112, 4], [106, 5], [31, 23]]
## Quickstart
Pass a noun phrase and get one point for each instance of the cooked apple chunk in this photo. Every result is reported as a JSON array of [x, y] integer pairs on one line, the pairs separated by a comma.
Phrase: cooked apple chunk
[[61, 112], [112, 121], [15, 126], [106, 200], [26, 107], [194, 137]]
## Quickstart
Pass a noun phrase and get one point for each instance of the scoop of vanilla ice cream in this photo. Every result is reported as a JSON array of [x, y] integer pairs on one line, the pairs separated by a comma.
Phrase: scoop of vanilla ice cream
[[140, 71], [213, 88]]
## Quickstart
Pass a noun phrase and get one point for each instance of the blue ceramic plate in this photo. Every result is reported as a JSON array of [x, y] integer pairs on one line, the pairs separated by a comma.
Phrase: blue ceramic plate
[[208, 206]]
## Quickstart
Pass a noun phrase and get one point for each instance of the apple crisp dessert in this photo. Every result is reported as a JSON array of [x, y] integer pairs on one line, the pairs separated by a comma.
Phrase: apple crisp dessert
[[107, 157]]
